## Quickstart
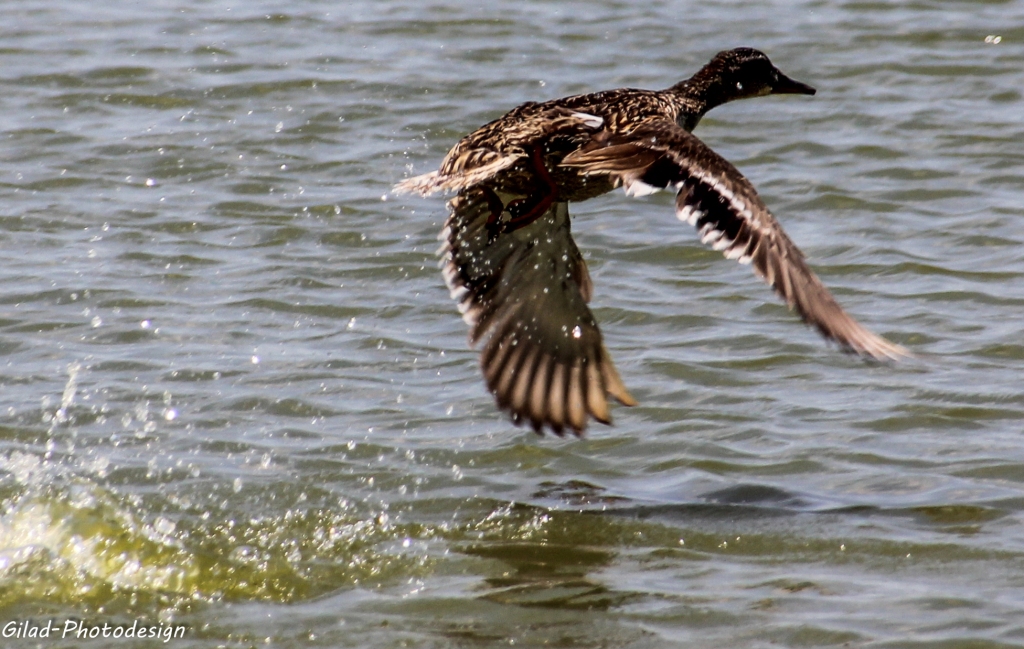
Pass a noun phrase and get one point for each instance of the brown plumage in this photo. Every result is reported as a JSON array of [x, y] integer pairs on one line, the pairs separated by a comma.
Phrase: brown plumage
[[508, 255]]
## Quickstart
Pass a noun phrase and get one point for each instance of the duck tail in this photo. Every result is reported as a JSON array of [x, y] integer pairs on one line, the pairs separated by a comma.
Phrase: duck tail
[[424, 185]]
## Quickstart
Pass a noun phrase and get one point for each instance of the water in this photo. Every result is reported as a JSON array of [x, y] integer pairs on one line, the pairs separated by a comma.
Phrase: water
[[236, 397]]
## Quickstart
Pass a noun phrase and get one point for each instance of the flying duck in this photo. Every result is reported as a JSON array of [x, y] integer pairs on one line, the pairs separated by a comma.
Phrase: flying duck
[[521, 284]]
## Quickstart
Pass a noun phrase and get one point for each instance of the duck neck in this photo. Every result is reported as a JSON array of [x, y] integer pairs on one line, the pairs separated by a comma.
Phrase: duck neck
[[697, 95]]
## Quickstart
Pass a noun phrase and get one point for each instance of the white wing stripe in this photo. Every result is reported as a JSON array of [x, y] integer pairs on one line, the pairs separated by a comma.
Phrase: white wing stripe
[[593, 121], [689, 214], [639, 188]]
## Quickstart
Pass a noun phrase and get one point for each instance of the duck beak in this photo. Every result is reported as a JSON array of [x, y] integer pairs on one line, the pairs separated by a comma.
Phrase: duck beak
[[787, 86]]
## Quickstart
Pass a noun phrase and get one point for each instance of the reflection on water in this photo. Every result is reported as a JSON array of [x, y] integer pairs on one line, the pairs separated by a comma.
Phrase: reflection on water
[[235, 394]]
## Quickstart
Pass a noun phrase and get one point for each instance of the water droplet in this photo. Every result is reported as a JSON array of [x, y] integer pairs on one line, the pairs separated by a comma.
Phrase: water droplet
[[164, 525]]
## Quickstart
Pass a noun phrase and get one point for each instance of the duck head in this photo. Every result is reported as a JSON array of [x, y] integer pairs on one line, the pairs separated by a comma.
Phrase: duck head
[[746, 72], [738, 74]]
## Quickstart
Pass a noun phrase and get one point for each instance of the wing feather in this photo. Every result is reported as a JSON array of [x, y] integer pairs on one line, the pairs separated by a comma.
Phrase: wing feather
[[729, 216], [524, 296]]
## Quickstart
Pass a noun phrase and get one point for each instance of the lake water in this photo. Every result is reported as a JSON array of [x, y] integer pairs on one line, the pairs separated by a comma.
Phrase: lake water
[[235, 396]]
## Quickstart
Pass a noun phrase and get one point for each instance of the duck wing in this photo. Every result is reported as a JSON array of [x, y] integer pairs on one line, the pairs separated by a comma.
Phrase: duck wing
[[729, 215], [524, 294]]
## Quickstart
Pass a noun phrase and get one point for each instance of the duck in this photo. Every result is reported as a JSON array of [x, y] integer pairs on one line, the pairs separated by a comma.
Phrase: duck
[[519, 280]]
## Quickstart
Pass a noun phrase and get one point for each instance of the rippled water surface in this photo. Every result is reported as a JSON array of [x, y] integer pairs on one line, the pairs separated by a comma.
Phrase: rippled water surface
[[234, 394]]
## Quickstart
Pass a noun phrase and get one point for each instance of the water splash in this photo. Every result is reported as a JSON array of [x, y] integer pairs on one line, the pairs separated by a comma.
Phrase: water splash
[[70, 540]]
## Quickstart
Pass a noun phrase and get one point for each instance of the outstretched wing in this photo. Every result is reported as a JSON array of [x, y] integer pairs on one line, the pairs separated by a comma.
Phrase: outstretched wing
[[729, 215], [525, 293]]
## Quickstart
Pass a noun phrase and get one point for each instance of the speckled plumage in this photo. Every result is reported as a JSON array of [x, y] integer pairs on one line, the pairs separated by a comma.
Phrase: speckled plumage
[[509, 259], [498, 153]]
